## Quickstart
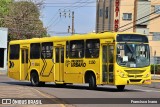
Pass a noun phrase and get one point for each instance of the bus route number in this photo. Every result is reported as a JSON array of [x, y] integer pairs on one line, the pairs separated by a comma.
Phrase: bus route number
[[92, 62]]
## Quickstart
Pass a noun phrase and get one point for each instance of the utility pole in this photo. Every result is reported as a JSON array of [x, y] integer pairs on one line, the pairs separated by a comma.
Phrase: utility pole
[[135, 15], [97, 16], [154, 63], [72, 22], [68, 14], [104, 11]]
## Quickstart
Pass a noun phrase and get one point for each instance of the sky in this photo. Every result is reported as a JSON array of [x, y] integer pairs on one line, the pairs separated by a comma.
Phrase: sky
[[84, 13]]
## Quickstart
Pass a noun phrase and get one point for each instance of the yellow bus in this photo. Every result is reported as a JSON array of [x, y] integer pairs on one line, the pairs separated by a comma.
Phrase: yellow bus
[[97, 59]]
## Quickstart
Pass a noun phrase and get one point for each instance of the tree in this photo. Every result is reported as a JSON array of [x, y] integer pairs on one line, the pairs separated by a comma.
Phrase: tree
[[23, 20], [4, 10]]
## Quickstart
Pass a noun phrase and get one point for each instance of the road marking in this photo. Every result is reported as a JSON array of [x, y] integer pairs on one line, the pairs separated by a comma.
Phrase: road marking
[[146, 90], [45, 95]]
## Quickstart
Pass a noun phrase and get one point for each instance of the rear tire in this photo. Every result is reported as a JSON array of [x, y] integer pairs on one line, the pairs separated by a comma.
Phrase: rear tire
[[35, 79], [92, 82], [120, 87]]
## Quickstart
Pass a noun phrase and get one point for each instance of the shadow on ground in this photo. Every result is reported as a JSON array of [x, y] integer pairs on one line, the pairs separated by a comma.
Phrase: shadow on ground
[[77, 87]]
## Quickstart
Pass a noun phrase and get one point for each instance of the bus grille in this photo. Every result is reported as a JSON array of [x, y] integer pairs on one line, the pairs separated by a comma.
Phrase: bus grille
[[135, 80], [135, 71], [135, 76]]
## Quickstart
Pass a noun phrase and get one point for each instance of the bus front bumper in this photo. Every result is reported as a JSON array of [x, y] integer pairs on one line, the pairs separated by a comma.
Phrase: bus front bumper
[[132, 81]]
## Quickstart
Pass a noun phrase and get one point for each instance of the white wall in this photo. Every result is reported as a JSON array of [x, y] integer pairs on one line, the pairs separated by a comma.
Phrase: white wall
[[3, 44]]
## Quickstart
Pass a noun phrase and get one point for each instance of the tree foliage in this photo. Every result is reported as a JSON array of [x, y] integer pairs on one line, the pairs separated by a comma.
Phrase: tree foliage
[[22, 20], [4, 10]]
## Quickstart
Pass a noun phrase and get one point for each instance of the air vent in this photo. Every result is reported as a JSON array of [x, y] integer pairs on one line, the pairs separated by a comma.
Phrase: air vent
[[135, 80]]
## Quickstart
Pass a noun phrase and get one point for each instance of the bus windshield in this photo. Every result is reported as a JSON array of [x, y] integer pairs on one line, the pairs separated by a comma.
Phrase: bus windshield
[[133, 55]]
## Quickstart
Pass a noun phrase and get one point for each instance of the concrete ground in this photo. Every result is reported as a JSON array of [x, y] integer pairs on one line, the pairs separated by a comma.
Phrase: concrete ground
[[9, 90]]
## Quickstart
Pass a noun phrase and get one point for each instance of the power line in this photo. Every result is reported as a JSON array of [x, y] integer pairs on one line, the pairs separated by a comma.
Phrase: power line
[[54, 16], [69, 6], [53, 22], [142, 22], [70, 3], [138, 19], [85, 4]]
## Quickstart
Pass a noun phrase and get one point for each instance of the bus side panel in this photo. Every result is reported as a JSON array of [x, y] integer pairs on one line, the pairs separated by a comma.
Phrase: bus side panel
[[94, 66], [46, 70], [73, 71], [35, 65], [14, 69]]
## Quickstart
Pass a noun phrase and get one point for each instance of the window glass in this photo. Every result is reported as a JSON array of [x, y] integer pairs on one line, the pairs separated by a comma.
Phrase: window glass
[[47, 50], [133, 55], [106, 12], [92, 48], [77, 49], [24, 56], [35, 51], [62, 55], [100, 12], [157, 9], [14, 51], [111, 53], [127, 16], [57, 55], [67, 49]]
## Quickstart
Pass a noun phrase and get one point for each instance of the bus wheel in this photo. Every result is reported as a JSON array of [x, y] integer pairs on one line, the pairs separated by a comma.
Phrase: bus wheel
[[120, 87], [35, 79], [92, 82]]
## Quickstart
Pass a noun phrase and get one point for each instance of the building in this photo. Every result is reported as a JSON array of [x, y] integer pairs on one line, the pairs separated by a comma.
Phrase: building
[[3, 49], [141, 16]]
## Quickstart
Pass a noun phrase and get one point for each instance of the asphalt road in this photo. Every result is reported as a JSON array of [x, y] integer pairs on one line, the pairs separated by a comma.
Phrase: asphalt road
[[80, 93]]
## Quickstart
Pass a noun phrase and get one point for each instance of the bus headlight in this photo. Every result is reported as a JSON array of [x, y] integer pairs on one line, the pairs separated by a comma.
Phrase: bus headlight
[[121, 74], [147, 75]]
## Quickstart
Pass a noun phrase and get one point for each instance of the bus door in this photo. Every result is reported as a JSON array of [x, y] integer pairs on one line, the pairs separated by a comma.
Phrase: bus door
[[46, 62], [59, 62], [14, 61], [107, 63], [24, 64]]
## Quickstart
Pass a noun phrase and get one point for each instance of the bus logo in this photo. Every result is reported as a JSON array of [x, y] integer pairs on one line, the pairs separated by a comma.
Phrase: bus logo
[[67, 63]]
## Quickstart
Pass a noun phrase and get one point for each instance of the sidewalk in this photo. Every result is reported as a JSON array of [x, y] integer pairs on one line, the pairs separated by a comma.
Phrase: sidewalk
[[9, 90], [155, 77]]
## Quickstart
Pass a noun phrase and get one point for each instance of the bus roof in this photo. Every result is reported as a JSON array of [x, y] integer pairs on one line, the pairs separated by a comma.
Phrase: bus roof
[[72, 37]]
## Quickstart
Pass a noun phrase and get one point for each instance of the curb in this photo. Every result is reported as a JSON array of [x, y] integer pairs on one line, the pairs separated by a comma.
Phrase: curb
[[155, 80], [3, 73]]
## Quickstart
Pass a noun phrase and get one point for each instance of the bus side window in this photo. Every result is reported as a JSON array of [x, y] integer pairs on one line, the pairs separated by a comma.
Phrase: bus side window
[[47, 50], [67, 49], [92, 48], [35, 51], [14, 51], [77, 49]]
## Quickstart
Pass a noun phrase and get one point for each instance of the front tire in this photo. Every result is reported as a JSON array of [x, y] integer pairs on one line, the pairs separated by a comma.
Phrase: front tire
[[92, 82], [120, 87]]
